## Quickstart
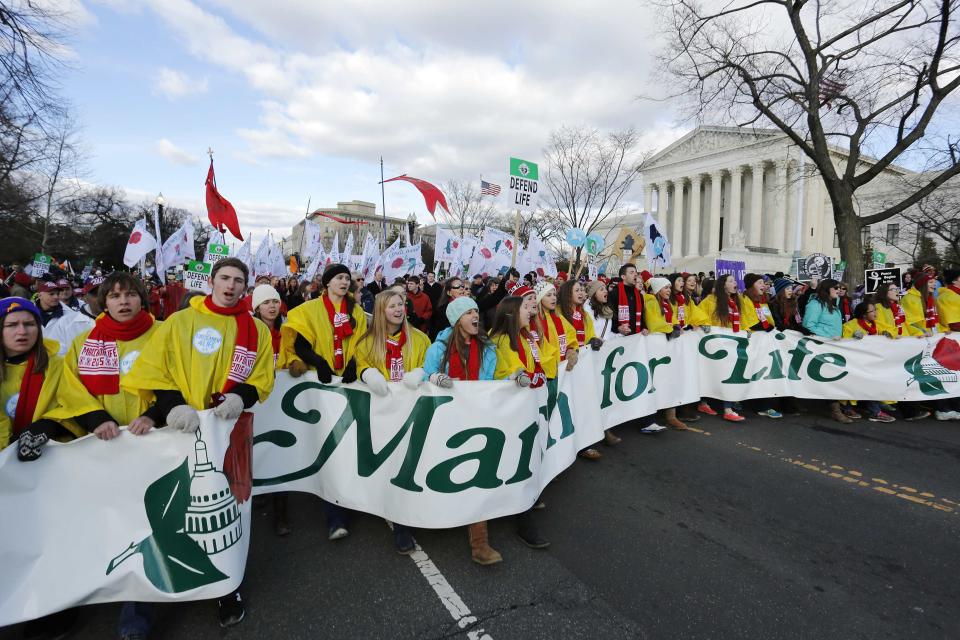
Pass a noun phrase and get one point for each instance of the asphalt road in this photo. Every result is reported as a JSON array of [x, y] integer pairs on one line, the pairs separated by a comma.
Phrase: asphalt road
[[795, 528]]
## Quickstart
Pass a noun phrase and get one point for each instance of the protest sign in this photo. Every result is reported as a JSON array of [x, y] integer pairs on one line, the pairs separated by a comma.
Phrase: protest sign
[[874, 279], [814, 267], [524, 183], [41, 265], [738, 268], [216, 253], [197, 276]]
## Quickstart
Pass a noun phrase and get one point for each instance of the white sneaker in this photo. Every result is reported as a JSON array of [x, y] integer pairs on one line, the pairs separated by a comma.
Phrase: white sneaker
[[653, 428], [946, 415]]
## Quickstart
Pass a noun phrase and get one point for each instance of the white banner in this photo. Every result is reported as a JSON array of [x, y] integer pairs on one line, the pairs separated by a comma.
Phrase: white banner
[[427, 458]]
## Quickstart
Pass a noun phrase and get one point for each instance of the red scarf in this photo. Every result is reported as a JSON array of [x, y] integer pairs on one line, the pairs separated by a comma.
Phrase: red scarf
[[394, 361], [275, 340], [245, 349], [761, 314], [681, 311], [734, 314], [558, 327], [29, 395], [538, 377], [98, 363], [667, 310], [578, 325], [845, 308], [930, 313], [455, 368], [898, 317], [869, 327], [340, 321], [623, 308], [956, 290]]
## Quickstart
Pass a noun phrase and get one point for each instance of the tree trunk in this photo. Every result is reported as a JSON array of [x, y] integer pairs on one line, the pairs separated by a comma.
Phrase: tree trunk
[[848, 232]]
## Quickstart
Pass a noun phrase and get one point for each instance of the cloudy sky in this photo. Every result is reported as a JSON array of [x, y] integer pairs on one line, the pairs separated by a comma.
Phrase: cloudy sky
[[300, 98]]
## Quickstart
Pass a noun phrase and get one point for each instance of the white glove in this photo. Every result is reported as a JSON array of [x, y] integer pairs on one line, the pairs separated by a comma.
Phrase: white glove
[[441, 380], [184, 418], [412, 379], [521, 378], [572, 357], [375, 380], [230, 408]]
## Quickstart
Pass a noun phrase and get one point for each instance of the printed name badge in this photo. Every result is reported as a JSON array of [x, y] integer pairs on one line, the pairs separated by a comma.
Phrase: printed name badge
[[11, 408], [127, 362], [207, 340], [563, 344]]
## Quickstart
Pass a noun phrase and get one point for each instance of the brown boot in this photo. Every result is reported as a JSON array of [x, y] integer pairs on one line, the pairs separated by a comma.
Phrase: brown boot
[[671, 419], [480, 549], [609, 437], [836, 412]]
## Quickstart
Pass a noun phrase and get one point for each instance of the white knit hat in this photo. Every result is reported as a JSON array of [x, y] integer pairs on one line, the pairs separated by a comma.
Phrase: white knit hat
[[262, 293], [543, 288], [656, 284]]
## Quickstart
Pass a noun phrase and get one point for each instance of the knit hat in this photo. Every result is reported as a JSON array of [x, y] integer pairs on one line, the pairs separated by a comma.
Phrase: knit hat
[[593, 287], [519, 290], [781, 283], [356, 275], [261, 294], [645, 276], [332, 271], [751, 279], [658, 283], [921, 280], [9, 305], [458, 307], [562, 275], [542, 289]]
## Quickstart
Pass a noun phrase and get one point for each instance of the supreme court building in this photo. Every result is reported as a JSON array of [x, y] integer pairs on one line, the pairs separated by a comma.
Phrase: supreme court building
[[749, 194]]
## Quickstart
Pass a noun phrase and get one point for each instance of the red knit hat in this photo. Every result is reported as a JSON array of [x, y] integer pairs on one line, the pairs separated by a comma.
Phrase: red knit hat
[[645, 275], [518, 290]]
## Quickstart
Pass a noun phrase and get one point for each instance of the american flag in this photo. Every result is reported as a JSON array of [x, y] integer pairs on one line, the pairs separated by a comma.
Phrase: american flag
[[489, 189]]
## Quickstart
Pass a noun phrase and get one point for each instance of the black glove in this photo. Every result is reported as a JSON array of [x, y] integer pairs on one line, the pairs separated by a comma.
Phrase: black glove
[[595, 343], [350, 373], [31, 442], [324, 372], [676, 333]]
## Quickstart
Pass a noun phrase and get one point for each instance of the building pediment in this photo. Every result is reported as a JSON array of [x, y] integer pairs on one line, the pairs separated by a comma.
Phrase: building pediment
[[704, 141]]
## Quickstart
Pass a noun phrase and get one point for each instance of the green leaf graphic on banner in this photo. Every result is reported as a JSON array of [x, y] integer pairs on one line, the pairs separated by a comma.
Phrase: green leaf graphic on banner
[[172, 560], [928, 384]]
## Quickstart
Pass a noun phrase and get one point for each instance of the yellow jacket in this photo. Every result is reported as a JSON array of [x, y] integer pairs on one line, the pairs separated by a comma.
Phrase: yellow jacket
[[589, 333], [850, 327], [311, 321], [948, 306], [653, 316], [913, 307], [191, 353], [556, 346], [748, 313], [708, 308], [414, 351], [49, 393], [508, 361], [124, 406], [887, 324]]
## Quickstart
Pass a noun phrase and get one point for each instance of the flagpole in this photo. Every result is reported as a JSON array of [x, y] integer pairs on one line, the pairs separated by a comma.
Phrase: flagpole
[[305, 217], [383, 200], [516, 239]]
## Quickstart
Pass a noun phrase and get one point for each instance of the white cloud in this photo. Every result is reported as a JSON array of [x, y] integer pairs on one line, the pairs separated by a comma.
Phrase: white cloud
[[444, 89], [175, 154], [173, 84]]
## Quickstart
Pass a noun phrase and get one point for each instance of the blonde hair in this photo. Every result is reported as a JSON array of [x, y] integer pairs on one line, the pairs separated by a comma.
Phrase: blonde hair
[[373, 344]]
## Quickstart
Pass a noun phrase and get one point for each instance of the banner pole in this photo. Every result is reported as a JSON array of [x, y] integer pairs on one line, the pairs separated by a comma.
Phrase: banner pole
[[516, 239]]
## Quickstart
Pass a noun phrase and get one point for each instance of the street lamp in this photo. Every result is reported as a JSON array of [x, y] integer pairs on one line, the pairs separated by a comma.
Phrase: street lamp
[[160, 202]]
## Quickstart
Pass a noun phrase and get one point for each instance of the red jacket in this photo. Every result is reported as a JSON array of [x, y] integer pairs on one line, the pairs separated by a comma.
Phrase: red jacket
[[423, 308]]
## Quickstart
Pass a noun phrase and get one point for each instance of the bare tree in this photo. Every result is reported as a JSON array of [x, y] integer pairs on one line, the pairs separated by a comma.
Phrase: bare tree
[[857, 86], [469, 209], [587, 176], [934, 220], [58, 174]]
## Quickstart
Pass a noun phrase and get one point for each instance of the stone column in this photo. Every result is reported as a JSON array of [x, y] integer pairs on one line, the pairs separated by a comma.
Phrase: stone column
[[678, 205], [648, 198], [779, 213], [756, 205], [694, 243], [733, 221], [713, 218]]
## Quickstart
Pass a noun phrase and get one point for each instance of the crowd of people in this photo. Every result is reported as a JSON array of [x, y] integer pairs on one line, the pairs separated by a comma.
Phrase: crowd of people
[[89, 357]]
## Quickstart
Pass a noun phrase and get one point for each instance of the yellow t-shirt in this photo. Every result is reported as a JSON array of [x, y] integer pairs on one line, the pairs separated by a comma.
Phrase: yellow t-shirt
[[948, 306], [49, 393], [310, 320], [124, 406], [414, 351], [191, 353]]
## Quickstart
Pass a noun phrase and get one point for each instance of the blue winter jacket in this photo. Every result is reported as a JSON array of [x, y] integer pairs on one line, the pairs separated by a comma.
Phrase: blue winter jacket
[[431, 364], [818, 319]]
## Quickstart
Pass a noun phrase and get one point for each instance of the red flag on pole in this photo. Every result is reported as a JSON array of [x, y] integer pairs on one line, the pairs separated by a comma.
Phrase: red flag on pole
[[221, 213], [432, 196]]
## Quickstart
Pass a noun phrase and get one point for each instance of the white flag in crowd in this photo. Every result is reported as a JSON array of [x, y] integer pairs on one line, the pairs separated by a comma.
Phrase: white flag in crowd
[[278, 266], [371, 255], [245, 254], [311, 238], [261, 261], [178, 248], [347, 253], [658, 245], [468, 246], [542, 259], [335, 248], [158, 255], [139, 245], [448, 246]]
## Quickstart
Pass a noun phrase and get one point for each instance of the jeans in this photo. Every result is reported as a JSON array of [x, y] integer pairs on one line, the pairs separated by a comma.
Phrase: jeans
[[870, 407], [336, 515], [136, 617]]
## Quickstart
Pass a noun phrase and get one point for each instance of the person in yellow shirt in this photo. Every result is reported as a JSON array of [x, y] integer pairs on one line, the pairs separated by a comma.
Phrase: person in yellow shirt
[[722, 309], [920, 306], [213, 354], [557, 336], [30, 379], [662, 316], [864, 323], [391, 350], [99, 358], [518, 359], [571, 298], [322, 333], [891, 318], [948, 301]]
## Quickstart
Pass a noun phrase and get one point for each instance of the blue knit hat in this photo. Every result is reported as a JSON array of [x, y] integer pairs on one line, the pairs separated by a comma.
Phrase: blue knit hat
[[781, 283], [458, 307], [9, 305]]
